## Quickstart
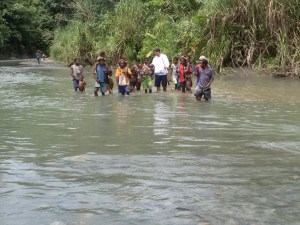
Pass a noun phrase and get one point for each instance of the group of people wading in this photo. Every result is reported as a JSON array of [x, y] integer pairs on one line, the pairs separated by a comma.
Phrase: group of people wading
[[145, 74]]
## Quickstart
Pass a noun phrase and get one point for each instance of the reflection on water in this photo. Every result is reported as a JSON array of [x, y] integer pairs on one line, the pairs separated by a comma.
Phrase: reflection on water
[[161, 119], [75, 159]]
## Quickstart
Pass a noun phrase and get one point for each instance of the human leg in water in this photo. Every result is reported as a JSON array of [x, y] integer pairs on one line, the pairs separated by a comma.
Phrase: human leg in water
[[157, 82], [207, 94], [198, 93], [127, 89], [183, 86], [138, 85], [164, 81], [75, 84], [96, 91]]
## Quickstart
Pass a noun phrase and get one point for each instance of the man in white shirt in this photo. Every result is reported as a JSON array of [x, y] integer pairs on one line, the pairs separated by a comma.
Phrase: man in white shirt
[[161, 65]]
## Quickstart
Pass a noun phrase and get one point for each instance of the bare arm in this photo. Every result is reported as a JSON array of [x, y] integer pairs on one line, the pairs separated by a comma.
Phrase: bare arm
[[209, 83], [81, 70], [166, 62], [196, 71], [95, 72], [129, 74], [211, 80], [72, 73], [117, 76]]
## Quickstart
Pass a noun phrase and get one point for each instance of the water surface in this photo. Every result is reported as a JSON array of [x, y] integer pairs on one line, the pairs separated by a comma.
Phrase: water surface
[[76, 159]]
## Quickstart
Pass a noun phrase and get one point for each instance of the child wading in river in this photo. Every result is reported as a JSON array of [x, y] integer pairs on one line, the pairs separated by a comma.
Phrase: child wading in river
[[174, 72], [184, 72], [123, 75], [38, 56], [81, 84], [189, 81], [146, 78], [110, 82], [135, 80]]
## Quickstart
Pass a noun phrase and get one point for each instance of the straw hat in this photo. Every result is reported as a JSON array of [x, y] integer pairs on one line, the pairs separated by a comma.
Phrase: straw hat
[[100, 58]]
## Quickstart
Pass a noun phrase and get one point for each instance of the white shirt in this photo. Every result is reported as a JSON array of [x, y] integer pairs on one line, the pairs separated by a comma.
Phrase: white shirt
[[76, 70], [161, 63]]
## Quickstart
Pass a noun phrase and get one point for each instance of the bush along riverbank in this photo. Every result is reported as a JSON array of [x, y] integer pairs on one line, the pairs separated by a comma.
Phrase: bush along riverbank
[[256, 34], [238, 33]]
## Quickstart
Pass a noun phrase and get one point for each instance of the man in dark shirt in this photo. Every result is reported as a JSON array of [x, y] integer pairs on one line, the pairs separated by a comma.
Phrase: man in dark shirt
[[206, 76]]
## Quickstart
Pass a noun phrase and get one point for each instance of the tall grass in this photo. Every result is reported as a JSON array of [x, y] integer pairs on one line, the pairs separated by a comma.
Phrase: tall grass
[[123, 30], [118, 32], [72, 41], [253, 33]]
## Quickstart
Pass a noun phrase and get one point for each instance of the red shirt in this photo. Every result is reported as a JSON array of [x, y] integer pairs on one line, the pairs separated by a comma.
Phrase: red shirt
[[182, 75]]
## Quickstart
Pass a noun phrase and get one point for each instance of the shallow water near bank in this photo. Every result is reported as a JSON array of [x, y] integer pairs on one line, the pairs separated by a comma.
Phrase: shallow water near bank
[[71, 158]]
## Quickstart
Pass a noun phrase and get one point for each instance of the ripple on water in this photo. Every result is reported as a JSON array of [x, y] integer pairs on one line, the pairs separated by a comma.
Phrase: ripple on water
[[293, 147], [146, 159]]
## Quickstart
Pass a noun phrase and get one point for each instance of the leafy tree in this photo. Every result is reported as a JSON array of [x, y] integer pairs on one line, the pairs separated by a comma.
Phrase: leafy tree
[[27, 25], [229, 32]]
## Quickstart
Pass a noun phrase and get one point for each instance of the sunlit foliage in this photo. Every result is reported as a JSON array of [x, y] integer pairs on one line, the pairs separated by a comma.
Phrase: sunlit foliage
[[253, 33]]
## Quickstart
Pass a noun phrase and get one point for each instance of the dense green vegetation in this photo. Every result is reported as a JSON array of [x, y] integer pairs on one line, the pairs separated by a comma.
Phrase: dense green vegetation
[[28, 25], [254, 33]]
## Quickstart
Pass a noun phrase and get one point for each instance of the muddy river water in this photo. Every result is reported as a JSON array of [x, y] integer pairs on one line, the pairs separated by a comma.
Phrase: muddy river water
[[76, 159]]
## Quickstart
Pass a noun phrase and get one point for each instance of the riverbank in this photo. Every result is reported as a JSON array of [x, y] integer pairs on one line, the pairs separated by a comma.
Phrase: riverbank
[[240, 71]]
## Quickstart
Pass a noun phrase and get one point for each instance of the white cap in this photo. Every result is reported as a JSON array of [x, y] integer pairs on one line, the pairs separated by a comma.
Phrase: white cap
[[100, 58], [202, 57]]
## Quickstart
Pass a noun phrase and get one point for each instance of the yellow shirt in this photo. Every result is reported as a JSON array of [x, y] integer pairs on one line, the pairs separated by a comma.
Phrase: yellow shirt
[[121, 71]]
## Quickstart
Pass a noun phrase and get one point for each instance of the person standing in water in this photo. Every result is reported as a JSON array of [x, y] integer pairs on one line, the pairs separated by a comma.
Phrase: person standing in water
[[135, 78], [146, 78], [206, 76], [38, 55], [81, 84], [100, 77], [198, 69], [161, 65], [189, 81], [108, 74], [174, 71], [123, 75], [184, 72], [76, 72]]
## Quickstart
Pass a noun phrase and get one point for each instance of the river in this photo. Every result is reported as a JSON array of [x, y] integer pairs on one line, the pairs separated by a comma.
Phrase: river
[[75, 159]]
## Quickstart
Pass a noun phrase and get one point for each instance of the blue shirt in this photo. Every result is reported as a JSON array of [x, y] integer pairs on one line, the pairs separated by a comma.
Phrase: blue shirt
[[198, 67], [100, 72], [206, 75], [198, 80]]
